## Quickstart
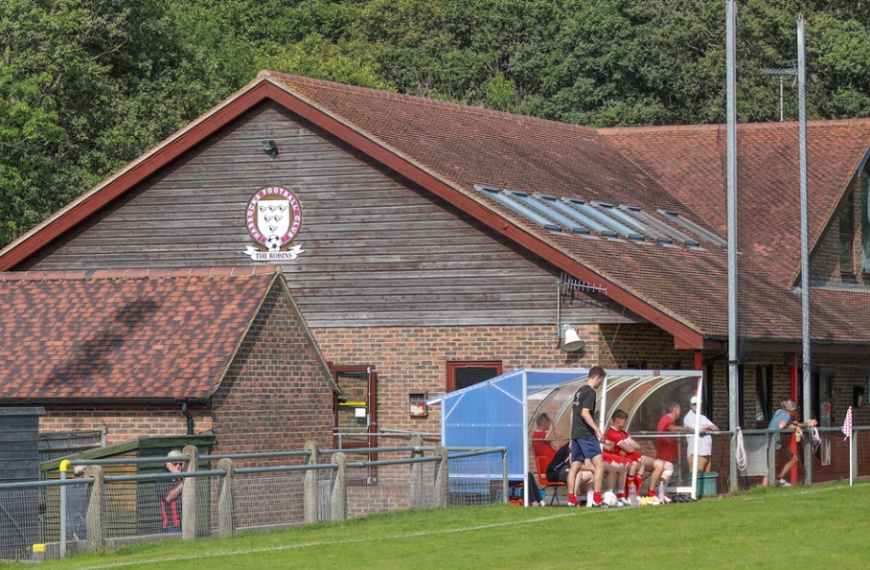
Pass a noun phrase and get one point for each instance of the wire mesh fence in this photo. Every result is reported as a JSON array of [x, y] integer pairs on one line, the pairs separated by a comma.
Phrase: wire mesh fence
[[831, 456], [52, 519], [20, 522], [268, 500]]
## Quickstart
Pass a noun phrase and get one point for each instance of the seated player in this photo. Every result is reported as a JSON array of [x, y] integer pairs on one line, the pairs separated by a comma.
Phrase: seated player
[[615, 471], [638, 463], [560, 466], [542, 438], [668, 447]]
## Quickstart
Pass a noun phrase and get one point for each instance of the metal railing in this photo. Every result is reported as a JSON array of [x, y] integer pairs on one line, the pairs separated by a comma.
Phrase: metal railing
[[39, 520], [834, 459]]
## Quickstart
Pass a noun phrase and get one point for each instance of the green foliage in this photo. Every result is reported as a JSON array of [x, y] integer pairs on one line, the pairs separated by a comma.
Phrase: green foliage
[[88, 85], [84, 88]]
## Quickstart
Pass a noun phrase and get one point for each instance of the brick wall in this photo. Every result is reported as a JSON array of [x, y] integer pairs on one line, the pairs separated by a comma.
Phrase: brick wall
[[847, 372], [413, 359], [277, 393], [124, 424], [626, 346], [276, 390]]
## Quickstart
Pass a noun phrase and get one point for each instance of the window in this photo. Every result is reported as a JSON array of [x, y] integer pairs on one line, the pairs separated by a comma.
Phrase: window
[[821, 390], [847, 235], [694, 228], [596, 219], [763, 395], [508, 200], [707, 400], [462, 374], [865, 219]]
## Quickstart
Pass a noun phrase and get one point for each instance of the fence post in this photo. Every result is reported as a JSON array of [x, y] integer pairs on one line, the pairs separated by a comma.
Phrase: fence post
[[226, 510], [338, 500], [771, 459], [853, 453], [188, 495], [505, 485], [417, 474], [442, 485], [94, 516], [309, 492]]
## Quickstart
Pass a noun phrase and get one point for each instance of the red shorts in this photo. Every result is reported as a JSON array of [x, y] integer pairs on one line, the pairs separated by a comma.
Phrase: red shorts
[[614, 458]]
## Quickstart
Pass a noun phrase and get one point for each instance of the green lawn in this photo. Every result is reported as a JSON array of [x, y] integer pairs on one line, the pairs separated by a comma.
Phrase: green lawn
[[819, 527]]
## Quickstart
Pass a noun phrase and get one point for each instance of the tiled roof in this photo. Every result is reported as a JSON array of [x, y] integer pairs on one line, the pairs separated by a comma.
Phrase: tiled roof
[[449, 148], [690, 163], [145, 335], [678, 168]]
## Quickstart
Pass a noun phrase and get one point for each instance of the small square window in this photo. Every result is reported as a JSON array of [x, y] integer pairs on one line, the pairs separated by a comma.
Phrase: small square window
[[462, 374]]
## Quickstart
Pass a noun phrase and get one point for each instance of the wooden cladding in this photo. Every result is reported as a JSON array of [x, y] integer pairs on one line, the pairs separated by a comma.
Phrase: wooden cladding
[[378, 250]]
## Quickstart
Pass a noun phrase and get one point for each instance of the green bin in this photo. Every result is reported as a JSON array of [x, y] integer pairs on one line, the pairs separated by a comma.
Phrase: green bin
[[707, 483]]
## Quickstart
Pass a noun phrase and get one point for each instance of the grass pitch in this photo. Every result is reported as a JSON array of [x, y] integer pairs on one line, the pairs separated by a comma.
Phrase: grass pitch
[[818, 527]]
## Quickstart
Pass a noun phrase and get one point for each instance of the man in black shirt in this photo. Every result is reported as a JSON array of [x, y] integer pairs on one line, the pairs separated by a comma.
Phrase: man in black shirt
[[585, 438]]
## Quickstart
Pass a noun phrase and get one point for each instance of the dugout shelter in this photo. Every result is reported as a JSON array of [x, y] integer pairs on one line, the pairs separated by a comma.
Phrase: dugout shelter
[[502, 411]]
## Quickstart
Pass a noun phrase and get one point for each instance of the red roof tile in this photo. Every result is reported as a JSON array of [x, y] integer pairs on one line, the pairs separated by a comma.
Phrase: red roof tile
[[678, 168], [143, 335], [690, 163], [448, 148]]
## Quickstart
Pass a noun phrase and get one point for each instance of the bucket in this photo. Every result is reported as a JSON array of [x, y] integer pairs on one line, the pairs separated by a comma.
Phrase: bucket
[[707, 483]]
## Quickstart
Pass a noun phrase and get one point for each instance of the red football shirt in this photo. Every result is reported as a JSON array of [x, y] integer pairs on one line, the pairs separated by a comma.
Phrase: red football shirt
[[668, 447], [542, 448]]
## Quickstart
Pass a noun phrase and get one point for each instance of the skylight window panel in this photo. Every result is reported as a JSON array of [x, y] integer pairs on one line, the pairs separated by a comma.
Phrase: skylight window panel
[[564, 206], [629, 214], [545, 203], [606, 220], [523, 199], [634, 230], [695, 228], [511, 204], [675, 234]]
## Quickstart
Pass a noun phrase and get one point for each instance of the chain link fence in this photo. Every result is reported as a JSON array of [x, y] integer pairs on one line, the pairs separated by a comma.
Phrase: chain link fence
[[54, 519]]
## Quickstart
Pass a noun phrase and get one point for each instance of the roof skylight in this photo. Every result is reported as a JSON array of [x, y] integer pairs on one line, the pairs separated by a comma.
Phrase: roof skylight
[[602, 219], [695, 228], [519, 208]]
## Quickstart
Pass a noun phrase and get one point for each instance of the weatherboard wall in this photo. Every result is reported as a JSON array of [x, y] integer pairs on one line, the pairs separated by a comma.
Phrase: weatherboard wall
[[378, 250]]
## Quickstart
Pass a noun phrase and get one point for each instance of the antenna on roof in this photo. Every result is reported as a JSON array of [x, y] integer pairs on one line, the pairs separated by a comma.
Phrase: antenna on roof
[[782, 72]]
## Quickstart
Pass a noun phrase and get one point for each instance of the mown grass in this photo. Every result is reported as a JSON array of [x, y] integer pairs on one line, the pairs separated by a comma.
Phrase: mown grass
[[817, 527]]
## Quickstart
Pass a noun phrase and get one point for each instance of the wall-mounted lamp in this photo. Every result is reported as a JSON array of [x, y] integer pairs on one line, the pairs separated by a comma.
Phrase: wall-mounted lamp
[[271, 148], [571, 340]]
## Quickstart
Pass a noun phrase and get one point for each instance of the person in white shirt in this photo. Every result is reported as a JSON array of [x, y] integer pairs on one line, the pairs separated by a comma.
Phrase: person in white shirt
[[705, 442]]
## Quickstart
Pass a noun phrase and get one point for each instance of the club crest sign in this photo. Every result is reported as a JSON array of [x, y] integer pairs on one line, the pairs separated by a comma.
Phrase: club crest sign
[[274, 217]]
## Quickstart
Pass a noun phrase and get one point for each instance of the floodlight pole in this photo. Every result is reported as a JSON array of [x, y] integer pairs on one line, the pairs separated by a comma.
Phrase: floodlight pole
[[805, 249], [731, 111]]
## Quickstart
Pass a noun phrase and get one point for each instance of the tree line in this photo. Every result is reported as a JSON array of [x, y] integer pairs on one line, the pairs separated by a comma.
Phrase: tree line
[[88, 85]]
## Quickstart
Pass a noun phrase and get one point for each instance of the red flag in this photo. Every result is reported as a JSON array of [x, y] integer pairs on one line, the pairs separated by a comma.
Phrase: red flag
[[847, 424]]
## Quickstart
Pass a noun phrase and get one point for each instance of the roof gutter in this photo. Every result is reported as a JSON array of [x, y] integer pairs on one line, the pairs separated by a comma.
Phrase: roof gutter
[[103, 403]]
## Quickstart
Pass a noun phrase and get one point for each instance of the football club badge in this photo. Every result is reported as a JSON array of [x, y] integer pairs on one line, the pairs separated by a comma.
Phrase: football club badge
[[274, 217]]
